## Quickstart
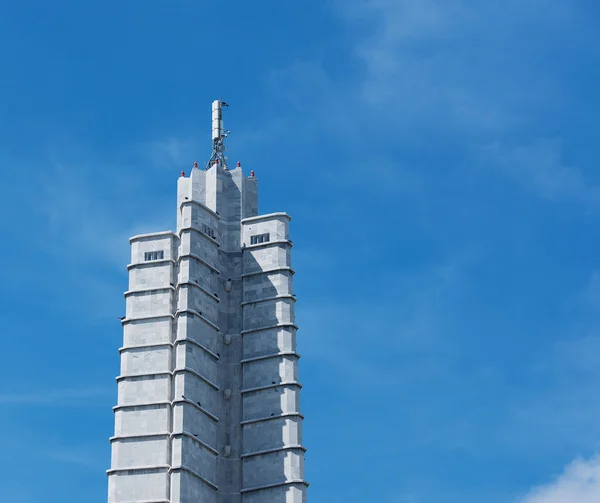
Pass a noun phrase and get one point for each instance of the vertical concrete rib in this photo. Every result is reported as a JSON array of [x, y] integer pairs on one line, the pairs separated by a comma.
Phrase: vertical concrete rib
[[196, 397], [142, 440], [273, 457]]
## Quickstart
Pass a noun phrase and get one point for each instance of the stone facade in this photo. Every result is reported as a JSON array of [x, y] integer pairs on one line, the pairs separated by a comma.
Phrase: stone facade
[[208, 395]]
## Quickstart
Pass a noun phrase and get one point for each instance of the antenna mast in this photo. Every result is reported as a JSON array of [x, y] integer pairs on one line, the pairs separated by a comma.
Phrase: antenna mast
[[218, 134]]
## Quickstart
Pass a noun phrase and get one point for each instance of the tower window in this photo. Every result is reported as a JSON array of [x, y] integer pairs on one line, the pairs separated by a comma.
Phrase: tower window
[[259, 238], [154, 255], [208, 231]]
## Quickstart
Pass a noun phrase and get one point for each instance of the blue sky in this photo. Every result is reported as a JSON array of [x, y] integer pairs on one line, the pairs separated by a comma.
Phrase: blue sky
[[440, 161]]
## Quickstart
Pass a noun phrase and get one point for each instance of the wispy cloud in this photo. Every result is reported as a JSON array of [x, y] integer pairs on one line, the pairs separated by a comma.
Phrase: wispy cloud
[[77, 221], [540, 168], [169, 153], [580, 483], [62, 397], [562, 376], [83, 208], [458, 77], [419, 336], [83, 456]]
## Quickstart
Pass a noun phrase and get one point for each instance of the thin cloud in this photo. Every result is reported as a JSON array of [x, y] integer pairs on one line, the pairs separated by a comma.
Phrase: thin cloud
[[423, 79], [424, 317], [55, 397], [74, 456], [579, 483], [539, 167], [76, 220]]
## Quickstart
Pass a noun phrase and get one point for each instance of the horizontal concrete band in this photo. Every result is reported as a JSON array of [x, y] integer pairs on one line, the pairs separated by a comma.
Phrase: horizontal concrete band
[[151, 235], [171, 373], [268, 271], [193, 284], [166, 469], [195, 438], [145, 501], [153, 374], [183, 468], [278, 484], [198, 258], [165, 434], [198, 375], [269, 356], [193, 202], [267, 244], [169, 403], [270, 386], [268, 216], [158, 434], [194, 342], [269, 327], [151, 345], [159, 468], [150, 263], [271, 418], [274, 297], [165, 288], [196, 406], [270, 451], [171, 316], [197, 314], [192, 228]]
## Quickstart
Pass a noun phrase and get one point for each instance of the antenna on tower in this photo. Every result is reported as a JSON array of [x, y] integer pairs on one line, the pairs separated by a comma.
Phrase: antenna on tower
[[218, 135]]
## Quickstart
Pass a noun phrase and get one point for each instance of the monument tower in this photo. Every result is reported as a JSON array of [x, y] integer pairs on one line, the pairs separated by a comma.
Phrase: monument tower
[[208, 407]]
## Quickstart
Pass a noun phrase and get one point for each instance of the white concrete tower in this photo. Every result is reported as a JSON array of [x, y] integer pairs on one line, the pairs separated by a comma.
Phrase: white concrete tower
[[208, 404]]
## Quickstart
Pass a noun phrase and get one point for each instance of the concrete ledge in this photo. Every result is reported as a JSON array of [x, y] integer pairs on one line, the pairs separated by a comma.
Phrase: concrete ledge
[[196, 285], [198, 345], [193, 473], [149, 263], [185, 202], [145, 318], [278, 484], [140, 237], [141, 435], [272, 355], [197, 374], [198, 315], [274, 297], [113, 471], [147, 501], [146, 346], [144, 404], [268, 216], [199, 259], [271, 418], [195, 439], [266, 244], [128, 293], [267, 271], [195, 405], [296, 447], [191, 228], [260, 329], [270, 386], [128, 376]]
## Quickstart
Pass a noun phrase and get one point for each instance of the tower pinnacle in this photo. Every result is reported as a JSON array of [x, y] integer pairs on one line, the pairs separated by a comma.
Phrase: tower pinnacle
[[218, 134]]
